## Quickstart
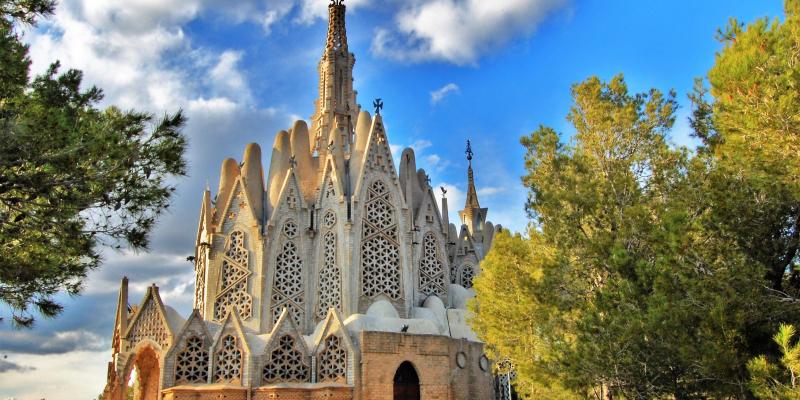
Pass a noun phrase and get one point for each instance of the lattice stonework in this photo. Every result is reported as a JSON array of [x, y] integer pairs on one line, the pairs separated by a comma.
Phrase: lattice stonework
[[329, 277], [332, 361], [330, 191], [290, 229], [149, 325], [191, 364], [200, 281], [380, 256], [431, 268], [467, 273], [287, 290], [235, 274], [228, 361], [329, 220], [286, 363]]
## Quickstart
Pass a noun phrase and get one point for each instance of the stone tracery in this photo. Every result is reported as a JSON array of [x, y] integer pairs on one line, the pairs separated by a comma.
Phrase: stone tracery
[[287, 290], [191, 363], [235, 273], [431, 268], [380, 256], [286, 363], [467, 273], [228, 361], [329, 277], [332, 361], [149, 325]]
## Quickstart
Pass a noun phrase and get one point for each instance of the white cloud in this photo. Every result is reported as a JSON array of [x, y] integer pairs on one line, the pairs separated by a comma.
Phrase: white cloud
[[439, 94], [490, 191], [86, 367], [458, 31]]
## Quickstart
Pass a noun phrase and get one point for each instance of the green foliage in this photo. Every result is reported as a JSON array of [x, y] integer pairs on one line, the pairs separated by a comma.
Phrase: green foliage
[[770, 381], [72, 177], [755, 82], [640, 278]]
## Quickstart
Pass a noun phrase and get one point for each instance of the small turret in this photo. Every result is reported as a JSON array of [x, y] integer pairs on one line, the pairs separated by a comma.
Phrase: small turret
[[278, 167], [473, 216], [253, 176], [227, 178]]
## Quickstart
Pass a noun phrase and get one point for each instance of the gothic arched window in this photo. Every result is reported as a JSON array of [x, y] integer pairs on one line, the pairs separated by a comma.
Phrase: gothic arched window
[[431, 268], [380, 255], [235, 273], [191, 363], [332, 361], [287, 289], [286, 363], [467, 274], [228, 363], [329, 276]]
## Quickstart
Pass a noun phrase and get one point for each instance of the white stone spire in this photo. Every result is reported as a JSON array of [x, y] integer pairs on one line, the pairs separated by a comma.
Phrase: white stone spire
[[337, 99]]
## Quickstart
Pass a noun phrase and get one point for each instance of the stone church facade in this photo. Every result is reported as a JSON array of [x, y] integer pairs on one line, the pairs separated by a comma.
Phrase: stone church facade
[[336, 276]]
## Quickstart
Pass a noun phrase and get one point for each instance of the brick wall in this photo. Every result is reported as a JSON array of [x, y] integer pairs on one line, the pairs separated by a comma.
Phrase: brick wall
[[433, 357]]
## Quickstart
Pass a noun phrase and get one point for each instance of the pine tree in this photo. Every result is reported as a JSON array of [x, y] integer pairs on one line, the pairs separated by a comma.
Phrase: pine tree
[[72, 176]]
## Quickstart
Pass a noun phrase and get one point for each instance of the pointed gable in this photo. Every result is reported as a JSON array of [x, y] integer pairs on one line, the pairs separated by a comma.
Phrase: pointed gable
[[285, 357], [331, 185], [237, 208], [231, 352], [150, 322], [290, 199], [334, 351], [191, 353], [377, 156]]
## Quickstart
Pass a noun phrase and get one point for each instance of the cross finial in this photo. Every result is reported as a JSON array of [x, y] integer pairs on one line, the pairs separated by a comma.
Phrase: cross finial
[[378, 104], [292, 162], [469, 151]]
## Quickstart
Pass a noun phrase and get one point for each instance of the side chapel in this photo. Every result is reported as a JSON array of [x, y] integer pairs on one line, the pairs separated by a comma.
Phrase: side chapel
[[339, 276]]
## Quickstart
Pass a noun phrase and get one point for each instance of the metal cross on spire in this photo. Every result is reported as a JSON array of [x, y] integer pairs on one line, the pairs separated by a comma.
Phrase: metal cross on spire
[[378, 104]]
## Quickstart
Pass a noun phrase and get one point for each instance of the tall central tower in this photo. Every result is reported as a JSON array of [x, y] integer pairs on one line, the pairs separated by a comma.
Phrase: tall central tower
[[337, 99]]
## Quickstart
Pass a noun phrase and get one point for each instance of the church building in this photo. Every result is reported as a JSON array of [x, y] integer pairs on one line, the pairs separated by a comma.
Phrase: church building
[[335, 275]]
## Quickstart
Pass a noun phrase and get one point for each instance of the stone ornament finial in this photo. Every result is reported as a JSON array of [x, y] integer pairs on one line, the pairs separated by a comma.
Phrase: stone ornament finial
[[378, 104], [469, 151], [444, 191]]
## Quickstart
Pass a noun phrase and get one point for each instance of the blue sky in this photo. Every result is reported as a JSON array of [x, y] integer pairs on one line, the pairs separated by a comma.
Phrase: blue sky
[[448, 70]]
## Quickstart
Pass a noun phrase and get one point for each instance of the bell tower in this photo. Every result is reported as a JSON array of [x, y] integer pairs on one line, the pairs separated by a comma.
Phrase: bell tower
[[336, 102]]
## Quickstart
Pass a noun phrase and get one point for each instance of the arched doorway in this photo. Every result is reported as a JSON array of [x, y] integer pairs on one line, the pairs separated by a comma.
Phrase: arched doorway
[[143, 378], [406, 382]]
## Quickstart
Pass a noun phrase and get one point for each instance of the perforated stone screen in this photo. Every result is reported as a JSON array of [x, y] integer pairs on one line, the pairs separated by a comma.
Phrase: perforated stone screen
[[431, 268], [332, 361], [228, 361], [380, 257], [286, 363], [329, 277], [287, 289], [235, 273], [191, 363]]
